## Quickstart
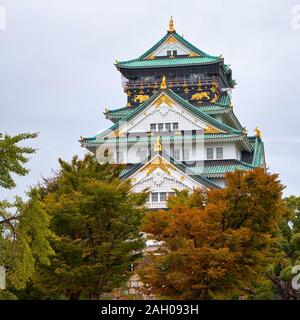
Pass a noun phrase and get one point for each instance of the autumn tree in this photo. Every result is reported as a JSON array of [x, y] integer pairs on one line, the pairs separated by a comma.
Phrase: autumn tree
[[217, 243], [95, 218]]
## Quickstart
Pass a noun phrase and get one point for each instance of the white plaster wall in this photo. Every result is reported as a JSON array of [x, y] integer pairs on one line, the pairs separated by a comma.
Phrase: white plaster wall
[[230, 150], [131, 155], [164, 114], [162, 50]]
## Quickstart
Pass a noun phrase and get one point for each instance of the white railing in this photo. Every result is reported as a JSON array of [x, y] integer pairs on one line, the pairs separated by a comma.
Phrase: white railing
[[156, 204]]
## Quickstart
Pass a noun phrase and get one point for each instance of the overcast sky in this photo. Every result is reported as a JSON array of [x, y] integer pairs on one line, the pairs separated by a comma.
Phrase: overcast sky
[[57, 73]]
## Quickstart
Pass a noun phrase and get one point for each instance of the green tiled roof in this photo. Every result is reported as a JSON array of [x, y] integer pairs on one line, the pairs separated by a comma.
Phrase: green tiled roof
[[216, 137], [140, 62], [224, 100], [180, 39], [259, 153], [212, 167], [213, 109], [208, 169], [120, 112], [222, 105], [127, 173], [168, 62]]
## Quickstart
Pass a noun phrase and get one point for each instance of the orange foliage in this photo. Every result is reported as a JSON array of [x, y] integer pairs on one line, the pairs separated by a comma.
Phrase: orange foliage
[[217, 243]]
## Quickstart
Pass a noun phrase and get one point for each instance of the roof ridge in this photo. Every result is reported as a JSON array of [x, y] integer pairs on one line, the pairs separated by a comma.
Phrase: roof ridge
[[194, 48], [183, 41]]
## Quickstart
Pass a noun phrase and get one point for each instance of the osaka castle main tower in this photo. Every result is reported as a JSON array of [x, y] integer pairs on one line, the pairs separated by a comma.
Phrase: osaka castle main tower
[[178, 129]]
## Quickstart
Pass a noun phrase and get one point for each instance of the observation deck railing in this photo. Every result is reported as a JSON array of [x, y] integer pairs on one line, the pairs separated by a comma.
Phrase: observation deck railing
[[176, 82]]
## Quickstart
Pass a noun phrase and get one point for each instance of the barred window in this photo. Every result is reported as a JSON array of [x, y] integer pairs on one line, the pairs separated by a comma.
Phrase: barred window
[[163, 196], [219, 153], [153, 127], [209, 153], [175, 126], [154, 196], [160, 127], [168, 126]]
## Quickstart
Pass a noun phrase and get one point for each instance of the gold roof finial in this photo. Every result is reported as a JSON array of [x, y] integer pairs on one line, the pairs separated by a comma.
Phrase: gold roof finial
[[171, 25], [163, 84], [105, 110], [158, 146], [257, 132]]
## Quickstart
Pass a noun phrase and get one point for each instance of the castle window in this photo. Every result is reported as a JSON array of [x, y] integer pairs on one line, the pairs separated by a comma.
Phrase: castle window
[[160, 127], [219, 152], [210, 153], [163, 196], [169, 53], [153, 127], [154, 197], [168, 126], [175, 126], [174, 52]]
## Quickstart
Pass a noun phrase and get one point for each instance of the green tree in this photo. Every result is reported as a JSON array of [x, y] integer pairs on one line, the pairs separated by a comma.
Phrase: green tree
[[24, 239], [217, 244], [24, 232], [95, 218], [280, 272], [13, 157]]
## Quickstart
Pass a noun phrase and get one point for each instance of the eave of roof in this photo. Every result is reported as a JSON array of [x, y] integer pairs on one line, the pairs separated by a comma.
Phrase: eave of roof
[[221, 106], [208, 137], [166, 62], [209, 169], [217, 167]]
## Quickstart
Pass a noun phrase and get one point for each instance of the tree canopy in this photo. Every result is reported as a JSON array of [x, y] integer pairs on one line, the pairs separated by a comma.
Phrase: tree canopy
[[95, 218], [216, 243]]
